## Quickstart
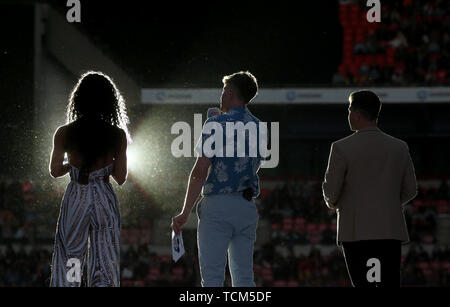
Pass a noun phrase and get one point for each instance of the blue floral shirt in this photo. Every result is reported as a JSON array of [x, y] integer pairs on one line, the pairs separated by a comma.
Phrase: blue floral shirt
[[232, 172]]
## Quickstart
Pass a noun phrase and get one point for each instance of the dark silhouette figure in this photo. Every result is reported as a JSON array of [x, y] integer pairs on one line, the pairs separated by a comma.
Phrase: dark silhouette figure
[[369, 179], [95, 139]]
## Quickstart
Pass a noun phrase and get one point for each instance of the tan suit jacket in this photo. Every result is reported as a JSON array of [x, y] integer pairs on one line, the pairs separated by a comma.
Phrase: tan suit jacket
[[369, 178]]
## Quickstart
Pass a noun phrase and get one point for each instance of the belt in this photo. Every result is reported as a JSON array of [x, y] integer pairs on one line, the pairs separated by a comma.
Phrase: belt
[[99, 178], [248, 194]]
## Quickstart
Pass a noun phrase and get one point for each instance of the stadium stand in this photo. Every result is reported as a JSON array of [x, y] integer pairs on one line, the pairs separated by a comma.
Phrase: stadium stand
[[300, 252], [411, 46]]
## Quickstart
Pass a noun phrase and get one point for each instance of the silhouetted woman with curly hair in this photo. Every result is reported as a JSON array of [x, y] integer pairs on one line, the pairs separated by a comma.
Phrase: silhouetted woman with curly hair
[[95, 139]]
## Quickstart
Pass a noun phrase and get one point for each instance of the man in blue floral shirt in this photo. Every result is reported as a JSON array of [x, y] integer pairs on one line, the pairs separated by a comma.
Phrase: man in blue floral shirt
[[232, 173], [225, 172]]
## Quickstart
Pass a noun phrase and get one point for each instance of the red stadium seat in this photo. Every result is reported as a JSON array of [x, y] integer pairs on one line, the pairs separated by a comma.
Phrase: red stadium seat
[[145, 236], [178, 273], [348, 61], [288, 224], [153, 274], [126, 283], [358, 59], [315, 239], [300, 221], [275, 226], [279, 283], [342, 70], [299, 225], [354, 8], [441, 76], [165, 258], [323, 227], [353, 68], [26, 186], [423, 265], [124, 236], [441, 206], [428, 203], [266, 274], [133, 236], [428, 239], [417, 203], [446, 266], [288, 227], [264, 193], [435, 265], [145, 224], [139, 283], [399, 66], [380, 60], [360, 38], [312, 228]]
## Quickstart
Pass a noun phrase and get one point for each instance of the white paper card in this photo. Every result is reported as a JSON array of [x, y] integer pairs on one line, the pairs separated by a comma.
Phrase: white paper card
[[177, 246]]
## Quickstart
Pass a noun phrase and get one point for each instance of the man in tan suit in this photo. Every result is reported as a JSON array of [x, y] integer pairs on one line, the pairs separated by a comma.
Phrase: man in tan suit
[[369, 178]]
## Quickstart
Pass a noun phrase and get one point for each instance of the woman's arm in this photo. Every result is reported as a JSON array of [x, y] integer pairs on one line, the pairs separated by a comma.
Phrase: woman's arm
[[57, 167], [120, 171]]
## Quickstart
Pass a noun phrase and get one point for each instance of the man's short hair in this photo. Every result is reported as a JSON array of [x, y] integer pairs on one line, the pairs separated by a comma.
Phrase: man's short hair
[[245, 83], [367, 103]]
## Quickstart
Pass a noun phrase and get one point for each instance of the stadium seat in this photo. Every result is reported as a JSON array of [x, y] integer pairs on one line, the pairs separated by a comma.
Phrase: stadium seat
[[441, 76], [312, 228], [323, 227], [26, 186], [153, 274], [423, 265], [417, 203], [403, 260], [266, 274], [145, 224], [441, 206], [133, 236], [399, 66], [178, 273], [165, 258], [446, 266], [139, 283], [275, 226], [380, 60], [428, 239], [435, 265], [288, 224], [145, 236], [126, 283], [279, 283], [315, 239]]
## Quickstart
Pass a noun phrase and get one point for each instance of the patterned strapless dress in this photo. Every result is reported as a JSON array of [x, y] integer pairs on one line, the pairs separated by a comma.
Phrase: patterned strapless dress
[[88, 231]]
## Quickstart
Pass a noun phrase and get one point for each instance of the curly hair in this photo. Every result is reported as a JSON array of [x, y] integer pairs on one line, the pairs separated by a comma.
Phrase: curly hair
[[96, 96], [96, 114]]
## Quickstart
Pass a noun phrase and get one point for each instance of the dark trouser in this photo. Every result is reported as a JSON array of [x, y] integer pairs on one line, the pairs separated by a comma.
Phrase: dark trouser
[[373, 263]]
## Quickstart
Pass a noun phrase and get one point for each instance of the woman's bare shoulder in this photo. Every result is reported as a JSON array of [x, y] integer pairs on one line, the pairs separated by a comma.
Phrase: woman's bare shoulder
[[61, 130], [121, 133]]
